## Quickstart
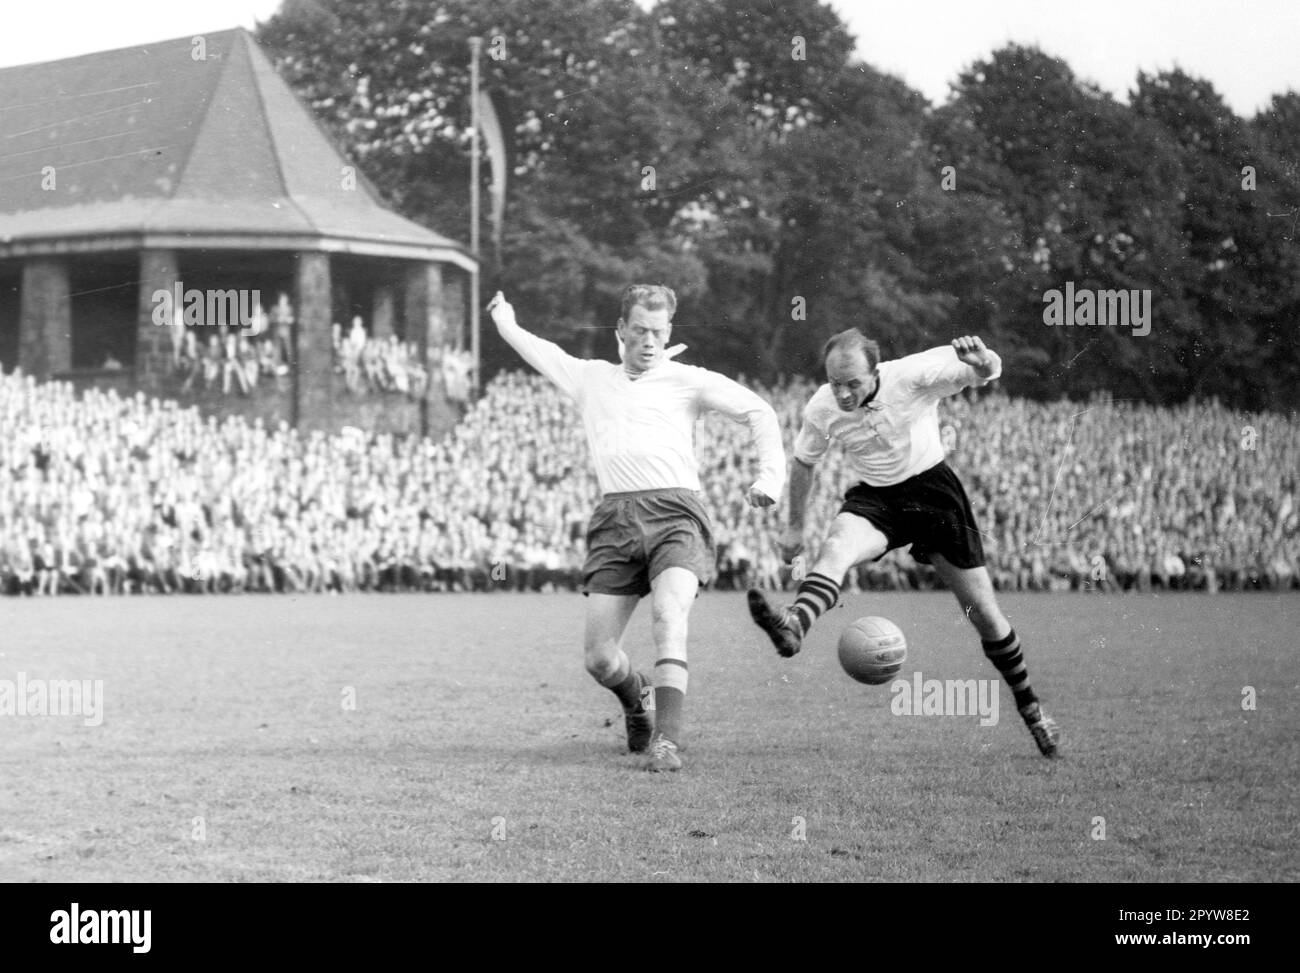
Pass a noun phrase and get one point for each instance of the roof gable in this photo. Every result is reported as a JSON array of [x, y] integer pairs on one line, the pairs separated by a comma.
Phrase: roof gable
[[157, 140], [233, 155]]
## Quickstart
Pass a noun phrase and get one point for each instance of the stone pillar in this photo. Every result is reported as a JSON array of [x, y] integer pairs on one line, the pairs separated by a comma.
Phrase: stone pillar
[[423, 305], [45, 318], [156, 345], [313, 344], [455, 309], [425, 325], [382, 311]]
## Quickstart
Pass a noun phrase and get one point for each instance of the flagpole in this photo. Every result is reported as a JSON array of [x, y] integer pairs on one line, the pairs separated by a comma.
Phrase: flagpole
[[475, 46]]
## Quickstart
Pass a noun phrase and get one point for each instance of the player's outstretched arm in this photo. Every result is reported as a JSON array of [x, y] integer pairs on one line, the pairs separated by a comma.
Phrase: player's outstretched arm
[[732, 399], [801, 481], [810, 444], [545, 356]]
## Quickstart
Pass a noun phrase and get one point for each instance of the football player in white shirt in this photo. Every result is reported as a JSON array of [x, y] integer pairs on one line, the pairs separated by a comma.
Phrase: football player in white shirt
[[885, 414], [650, 534]]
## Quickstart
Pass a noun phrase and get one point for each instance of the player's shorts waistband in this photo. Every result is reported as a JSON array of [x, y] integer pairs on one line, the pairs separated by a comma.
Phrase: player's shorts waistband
[[940, 468], [657, 492]]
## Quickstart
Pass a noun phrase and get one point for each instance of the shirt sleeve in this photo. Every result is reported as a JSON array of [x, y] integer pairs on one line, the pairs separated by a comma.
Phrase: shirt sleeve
[[547, 357], [941, 373], [812, 440], [721, 394]]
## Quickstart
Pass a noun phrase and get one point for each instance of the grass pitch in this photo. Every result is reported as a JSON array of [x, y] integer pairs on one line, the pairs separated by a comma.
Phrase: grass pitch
[[479, 750]]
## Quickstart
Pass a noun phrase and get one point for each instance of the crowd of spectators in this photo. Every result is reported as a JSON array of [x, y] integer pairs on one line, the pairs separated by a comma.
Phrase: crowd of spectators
[[229, 361], [107, 494], [372, 364], [236, 359]]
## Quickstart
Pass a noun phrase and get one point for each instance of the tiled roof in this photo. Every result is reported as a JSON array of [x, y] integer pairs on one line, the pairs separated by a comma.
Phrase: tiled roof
[[149, 141]]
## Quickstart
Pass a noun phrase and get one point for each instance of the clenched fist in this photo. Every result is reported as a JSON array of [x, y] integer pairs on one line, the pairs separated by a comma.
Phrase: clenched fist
[[970, 349], [503, 313]]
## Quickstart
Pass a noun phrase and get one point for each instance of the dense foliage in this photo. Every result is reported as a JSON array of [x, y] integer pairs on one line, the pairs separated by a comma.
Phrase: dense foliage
[[797, 191]]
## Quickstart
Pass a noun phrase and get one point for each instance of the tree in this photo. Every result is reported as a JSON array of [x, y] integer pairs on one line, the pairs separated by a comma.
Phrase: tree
[[822, 236], [735, 151], [614, 138], [1244, 276], [1093, 192]]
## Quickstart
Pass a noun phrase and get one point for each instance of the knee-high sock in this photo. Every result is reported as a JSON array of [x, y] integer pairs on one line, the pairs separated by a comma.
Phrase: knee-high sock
[[817, 594], [1006, 656], [671, 676]]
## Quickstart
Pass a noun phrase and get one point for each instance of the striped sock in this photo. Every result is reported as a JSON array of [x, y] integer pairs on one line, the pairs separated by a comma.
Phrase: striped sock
[[817, 594], [670, 695], [1006, 657]]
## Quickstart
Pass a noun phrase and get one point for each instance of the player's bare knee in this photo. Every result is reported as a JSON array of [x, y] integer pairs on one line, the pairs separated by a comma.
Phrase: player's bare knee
[[836, 557], [601, 661], [669, 622], [845, 548], [600, 654], [874, 547], [671, 601]]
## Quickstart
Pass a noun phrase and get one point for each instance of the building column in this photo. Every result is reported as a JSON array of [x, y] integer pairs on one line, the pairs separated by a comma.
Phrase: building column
[[157, 346], [45, 318], [313, 344], [425, 322], [425, 325], [382, 311], [455, 309]]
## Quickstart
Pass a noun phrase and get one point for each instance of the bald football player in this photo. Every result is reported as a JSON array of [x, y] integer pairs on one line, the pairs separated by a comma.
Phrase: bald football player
[[885, 416]]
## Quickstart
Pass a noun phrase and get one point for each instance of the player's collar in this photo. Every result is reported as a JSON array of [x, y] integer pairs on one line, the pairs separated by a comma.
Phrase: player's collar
[[669, 355], [874, 392]]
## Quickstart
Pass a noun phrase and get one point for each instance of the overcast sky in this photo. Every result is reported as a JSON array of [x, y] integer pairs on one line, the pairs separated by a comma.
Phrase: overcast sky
[[1249, 49]]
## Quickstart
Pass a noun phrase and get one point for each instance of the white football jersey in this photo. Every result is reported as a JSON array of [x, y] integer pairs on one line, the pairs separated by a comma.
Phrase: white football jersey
[[896, 435], [642, 433]]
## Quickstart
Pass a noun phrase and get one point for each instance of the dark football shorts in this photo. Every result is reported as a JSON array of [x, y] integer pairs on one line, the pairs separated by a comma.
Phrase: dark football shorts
[[930, 511], [632, 537]]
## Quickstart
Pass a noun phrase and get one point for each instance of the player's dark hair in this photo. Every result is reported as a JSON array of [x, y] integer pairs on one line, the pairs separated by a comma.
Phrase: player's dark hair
[[652, 297], [851, 340]]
